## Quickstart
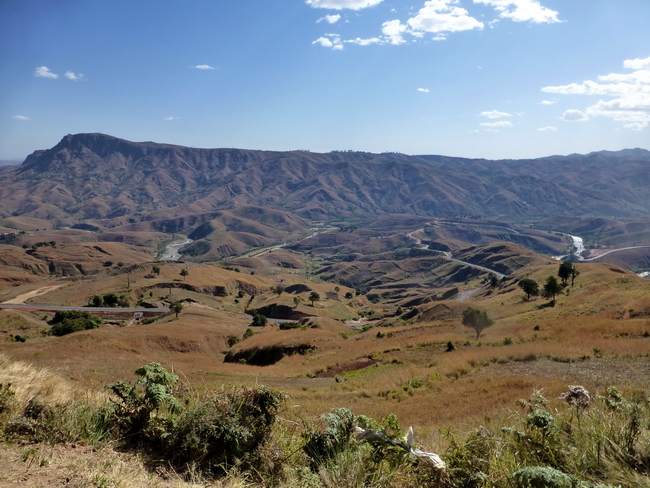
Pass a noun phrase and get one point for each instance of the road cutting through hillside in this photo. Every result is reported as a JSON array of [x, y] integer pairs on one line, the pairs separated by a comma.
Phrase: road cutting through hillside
[[31, 294], [448, 255]]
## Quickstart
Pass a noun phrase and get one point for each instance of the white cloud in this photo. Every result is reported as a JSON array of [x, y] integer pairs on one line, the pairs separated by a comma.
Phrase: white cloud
[[73, 76], [44, 72], [393, 30], [547, 129], [20, 117], [323, 41], [549, 102], [630, 93], [423, 90], [495, 114], [497, 125], [171, 118], [443, 16], [637, 63], [332, 19], [332, 41], [343, 4], [574, 115], [522, 10], [202, 66]]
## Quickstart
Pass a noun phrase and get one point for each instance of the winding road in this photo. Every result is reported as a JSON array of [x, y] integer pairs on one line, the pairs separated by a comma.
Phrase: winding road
[[449, 257]]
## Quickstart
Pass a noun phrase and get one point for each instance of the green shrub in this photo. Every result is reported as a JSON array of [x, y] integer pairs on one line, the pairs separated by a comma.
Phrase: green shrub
[[225, 429], [324, 445], [138, 401], [543, 477], [68, 321], [259, 320], [289, 325]]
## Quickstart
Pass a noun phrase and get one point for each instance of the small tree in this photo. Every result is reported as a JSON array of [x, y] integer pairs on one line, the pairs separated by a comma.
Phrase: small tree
[[155, 270], [476, 319], [177, 308], [564, 272], [574, 274], [296, 301], [494, 281], [313, 297], [551, 288], [259, 320], [530, 287], [184, 273]]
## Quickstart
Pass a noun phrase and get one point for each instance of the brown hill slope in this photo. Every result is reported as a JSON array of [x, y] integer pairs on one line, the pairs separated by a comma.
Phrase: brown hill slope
[[94, 176]]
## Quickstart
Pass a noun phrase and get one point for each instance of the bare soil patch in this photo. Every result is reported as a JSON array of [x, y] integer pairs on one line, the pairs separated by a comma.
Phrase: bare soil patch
[[31, 294]]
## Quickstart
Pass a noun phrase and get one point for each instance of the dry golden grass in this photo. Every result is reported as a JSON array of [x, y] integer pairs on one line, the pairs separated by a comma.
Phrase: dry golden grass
[[29, 381], [85, 466], [589, 337]]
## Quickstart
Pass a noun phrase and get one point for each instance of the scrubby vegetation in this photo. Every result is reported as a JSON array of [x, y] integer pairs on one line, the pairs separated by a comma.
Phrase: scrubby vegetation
[[68, 321], [580, 440]]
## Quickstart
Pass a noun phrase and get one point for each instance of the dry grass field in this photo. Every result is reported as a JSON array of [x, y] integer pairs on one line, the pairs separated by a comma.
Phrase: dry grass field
[[596, 335]]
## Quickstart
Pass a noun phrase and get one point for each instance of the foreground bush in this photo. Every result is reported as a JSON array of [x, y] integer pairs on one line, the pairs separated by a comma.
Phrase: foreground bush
[[589, 442], [217, 432]]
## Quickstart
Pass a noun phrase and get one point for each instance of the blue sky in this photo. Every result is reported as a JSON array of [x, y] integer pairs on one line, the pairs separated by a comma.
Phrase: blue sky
[[470, 78]]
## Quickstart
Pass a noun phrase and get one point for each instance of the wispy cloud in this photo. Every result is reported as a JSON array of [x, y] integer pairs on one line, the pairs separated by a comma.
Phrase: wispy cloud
[[20, 117], [44, 72], [331, 19], [423, 90], [171, 118], [629, 93], [547, 129], [343, 4], [549, 102], [497, 125], [364, 42], [202, 66], [522, 10], [495, 114], [73, 76]]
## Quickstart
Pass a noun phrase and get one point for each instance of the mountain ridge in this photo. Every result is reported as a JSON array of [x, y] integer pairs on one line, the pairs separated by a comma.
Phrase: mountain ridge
[[101, 177]]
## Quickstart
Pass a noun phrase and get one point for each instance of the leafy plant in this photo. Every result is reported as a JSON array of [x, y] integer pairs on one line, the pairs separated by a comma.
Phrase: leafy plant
[[324, 445], [225, 430], [136, 403]]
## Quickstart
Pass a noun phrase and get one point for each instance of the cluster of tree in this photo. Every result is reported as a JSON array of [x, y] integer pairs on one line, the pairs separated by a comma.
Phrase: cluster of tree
[[551, 287], [68, 321], [41, 244], [108, 300]]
